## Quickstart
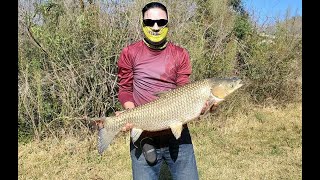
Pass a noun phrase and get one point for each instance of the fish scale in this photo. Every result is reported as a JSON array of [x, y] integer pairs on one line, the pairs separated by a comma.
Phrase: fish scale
[[168, 113], [171, 109]]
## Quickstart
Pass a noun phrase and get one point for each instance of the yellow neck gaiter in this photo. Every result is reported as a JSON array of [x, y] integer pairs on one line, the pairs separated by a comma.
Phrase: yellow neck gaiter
[[156, 47], [155, 37]]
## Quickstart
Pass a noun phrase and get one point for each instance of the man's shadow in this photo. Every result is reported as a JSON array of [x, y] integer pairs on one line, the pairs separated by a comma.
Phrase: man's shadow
[[165, 172]]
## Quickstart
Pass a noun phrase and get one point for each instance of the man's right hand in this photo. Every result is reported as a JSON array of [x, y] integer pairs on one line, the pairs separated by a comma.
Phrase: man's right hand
[[127, 127], [126, 105]]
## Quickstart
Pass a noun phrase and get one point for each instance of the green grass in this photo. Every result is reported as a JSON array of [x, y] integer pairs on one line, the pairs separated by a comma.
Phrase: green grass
[[264, 143]]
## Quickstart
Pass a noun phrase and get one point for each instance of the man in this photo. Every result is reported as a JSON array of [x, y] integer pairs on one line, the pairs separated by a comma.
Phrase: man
[[145, 68]]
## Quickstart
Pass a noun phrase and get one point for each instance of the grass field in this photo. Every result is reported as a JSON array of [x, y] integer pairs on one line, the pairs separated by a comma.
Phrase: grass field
[[265, 143]]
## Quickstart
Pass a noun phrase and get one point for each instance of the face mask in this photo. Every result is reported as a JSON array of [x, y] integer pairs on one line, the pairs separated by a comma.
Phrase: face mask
[[155, 37]]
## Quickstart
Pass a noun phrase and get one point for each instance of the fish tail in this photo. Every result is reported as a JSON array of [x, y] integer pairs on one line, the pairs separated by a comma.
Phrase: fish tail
[[105, 134], [105, 137]]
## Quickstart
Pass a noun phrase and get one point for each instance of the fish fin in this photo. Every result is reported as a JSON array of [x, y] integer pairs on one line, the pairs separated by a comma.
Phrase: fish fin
[[135, 134], [176, 129], [205, 113], [105, 137]]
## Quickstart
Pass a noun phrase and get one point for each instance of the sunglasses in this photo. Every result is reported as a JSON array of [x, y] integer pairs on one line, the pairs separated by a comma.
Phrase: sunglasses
[[150, 22]]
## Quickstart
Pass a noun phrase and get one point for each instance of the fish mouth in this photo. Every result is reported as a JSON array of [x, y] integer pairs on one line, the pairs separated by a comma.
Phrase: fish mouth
[[237, 82], [237, 86], [240, 83]]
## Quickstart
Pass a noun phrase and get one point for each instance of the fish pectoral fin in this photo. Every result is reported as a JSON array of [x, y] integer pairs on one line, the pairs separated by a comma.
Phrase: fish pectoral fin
[[176, 129], [135, 134]]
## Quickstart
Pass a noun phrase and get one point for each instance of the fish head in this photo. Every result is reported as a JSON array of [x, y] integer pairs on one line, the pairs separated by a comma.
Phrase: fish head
[[222, 87]]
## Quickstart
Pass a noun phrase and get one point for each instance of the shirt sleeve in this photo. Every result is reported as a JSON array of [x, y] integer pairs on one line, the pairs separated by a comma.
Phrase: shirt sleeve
[[125, 76], [184, 69]]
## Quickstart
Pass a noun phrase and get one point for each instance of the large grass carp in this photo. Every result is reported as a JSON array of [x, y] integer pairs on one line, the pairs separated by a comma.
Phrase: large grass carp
[[171, 109]]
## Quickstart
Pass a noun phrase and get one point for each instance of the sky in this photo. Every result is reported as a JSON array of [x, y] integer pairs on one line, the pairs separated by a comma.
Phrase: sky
[[268, 11]]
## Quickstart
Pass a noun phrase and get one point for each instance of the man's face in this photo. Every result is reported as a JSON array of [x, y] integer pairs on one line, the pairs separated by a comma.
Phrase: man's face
[[155, 21], [155, 14]]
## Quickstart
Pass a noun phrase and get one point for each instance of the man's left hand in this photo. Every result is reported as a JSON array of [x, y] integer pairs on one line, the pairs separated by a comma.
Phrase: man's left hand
[[212, 108]]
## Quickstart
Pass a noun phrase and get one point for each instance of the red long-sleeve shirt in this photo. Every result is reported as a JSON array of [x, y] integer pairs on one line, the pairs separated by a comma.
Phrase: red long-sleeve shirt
[[143, 72]]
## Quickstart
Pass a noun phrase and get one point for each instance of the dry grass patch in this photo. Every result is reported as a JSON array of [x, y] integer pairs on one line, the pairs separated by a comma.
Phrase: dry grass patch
[[73, 158], [265, 143]]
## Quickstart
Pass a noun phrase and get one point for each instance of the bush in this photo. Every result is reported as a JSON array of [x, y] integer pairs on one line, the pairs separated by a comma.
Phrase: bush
[[68, 54]]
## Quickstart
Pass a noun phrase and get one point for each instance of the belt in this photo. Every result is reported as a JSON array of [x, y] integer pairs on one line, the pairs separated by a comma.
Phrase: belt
[[159, 133], [160, 138]]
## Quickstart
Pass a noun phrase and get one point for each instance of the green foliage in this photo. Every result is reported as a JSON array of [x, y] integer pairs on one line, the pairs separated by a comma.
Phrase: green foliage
[[237, 5], [68, 53], [242, 27], [273, 67], [50, 12]]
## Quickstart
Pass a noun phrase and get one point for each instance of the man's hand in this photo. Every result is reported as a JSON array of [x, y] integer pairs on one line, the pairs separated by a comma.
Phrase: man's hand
[[127, 127], [213, 107], [206, 106]]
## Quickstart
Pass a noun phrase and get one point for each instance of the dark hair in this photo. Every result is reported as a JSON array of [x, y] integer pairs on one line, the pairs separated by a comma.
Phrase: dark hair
[[153, 5]]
